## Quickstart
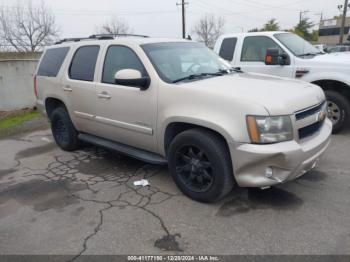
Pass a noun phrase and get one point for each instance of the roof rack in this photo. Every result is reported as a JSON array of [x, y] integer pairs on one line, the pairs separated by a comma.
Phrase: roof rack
[[76, 39], [98, 37]]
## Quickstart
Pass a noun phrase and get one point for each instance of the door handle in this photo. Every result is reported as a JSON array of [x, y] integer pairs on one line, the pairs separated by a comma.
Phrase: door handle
[[67, 88], [104, 95]]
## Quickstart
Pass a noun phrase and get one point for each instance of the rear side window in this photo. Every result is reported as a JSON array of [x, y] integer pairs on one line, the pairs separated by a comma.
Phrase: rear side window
[[52, 61], [119, 58], [84, 63], [227, 49]]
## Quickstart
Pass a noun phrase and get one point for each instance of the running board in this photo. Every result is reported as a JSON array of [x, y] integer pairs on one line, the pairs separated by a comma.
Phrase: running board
[[139, 154]]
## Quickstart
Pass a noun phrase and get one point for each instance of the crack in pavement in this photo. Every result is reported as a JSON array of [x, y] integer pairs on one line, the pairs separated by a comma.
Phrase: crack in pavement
[[93, 167]]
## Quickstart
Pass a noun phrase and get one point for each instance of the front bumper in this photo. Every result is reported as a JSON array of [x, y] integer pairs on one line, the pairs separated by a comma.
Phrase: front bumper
[[287, 160]]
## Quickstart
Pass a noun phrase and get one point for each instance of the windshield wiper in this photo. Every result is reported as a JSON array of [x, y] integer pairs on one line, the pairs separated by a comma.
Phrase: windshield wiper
[[194, 76], [231, 70], [311, 54]]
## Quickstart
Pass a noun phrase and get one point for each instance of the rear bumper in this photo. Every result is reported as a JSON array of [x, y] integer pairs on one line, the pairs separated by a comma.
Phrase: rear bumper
[[287, 160], [41, 107]]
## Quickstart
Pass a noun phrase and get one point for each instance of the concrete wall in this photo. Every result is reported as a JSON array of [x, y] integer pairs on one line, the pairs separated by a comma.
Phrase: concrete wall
[[16, 82]]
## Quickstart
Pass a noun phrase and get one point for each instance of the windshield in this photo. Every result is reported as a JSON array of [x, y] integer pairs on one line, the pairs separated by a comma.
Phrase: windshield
[[297, 45], [182, 60]]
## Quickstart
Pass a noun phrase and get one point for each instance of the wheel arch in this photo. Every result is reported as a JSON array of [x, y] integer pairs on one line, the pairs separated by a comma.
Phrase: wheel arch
[[334, 85], [175, 128], [51, 103]]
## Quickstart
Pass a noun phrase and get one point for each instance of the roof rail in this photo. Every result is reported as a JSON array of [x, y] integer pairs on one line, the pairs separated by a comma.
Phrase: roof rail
[[97, 37], [75, 39], [108, 36]]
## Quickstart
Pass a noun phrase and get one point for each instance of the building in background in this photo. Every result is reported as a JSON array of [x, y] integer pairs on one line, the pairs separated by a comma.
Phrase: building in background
[[329, 31]]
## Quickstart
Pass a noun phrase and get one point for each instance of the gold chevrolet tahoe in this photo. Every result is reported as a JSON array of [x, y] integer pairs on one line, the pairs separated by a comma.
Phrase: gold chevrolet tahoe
[[175, 102]]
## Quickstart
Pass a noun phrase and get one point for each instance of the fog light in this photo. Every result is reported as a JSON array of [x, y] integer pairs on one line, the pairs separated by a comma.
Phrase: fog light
[[269, 172]]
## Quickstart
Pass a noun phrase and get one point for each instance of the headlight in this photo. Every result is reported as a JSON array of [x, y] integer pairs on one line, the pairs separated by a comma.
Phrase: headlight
[[267, 130]]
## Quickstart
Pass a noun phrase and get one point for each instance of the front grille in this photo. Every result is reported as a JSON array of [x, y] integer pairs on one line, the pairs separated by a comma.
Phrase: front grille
[[308, 112], [310, 130]]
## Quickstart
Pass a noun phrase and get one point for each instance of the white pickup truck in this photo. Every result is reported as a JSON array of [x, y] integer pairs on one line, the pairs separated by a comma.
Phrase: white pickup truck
[[287, 55]]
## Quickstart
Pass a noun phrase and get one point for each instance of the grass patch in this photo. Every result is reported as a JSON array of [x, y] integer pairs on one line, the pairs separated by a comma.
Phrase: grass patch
[[12, 121]]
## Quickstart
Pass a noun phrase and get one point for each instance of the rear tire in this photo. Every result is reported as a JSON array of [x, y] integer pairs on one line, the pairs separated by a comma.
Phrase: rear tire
[[63, 131], [200, 164], [338, 110]]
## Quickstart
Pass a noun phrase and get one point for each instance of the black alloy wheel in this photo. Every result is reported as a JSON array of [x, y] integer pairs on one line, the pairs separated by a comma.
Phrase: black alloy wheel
[[194, 168]]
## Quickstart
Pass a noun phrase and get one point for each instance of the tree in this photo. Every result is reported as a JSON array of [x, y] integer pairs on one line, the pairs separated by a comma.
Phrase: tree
[[314, 36], [208, 29], [253, 30], [27, 29], [114, 26], [303, 28], [271, 25]]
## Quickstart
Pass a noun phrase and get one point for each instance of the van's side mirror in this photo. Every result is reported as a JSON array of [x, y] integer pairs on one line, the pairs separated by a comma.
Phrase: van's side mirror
[[132, 77], [273, 57]]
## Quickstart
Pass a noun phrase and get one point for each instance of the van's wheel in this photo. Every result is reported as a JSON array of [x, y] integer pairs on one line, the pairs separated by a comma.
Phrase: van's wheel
[[338, 110], [63, 131], [200, 164]]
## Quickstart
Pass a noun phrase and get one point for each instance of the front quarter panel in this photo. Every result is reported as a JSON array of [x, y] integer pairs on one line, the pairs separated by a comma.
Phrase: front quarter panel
[[328, 75], [223, 114]]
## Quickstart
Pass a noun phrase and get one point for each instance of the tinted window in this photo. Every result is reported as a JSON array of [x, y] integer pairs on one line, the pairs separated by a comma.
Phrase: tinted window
[[119, 58], [228, 48], [52, 61], [332, 31], [254, 48], [84, 63]]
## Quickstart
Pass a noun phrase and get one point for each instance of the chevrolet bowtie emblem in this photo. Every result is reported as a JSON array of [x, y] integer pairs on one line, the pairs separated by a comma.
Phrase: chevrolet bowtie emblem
[[321, 116]]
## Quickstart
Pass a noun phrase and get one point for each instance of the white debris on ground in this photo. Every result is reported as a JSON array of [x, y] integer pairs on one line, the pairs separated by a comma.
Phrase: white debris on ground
[[46, 139], [142, 182]]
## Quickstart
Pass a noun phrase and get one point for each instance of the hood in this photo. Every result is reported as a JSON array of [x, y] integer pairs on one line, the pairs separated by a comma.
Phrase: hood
[[279, 96], [334, 59]]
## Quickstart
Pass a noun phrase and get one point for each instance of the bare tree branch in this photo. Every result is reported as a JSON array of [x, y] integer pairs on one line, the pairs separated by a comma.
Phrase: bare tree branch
[[208, 29], [27, 28], [114, 26]]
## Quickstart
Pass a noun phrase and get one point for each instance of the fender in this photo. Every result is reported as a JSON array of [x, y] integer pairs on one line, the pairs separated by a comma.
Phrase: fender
[[319, 76], [192, 121]]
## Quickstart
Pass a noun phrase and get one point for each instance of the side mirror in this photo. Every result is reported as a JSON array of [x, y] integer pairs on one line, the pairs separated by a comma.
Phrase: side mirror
[[273, 57], [132, 77]]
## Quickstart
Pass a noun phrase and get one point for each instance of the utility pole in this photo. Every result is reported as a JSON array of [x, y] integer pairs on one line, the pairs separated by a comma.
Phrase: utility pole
[[321, 15], [301, 14], [345, 9], [183, 3]]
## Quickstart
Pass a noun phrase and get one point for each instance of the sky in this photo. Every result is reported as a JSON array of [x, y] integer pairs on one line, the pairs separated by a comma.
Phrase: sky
[[162, 18]]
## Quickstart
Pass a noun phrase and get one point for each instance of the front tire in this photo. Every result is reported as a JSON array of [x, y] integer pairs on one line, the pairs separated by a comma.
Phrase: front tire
[[338, 110], [63, 131], [200, 164]]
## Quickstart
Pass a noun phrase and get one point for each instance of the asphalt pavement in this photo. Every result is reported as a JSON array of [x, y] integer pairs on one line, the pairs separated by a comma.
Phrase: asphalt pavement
[[85, 203]]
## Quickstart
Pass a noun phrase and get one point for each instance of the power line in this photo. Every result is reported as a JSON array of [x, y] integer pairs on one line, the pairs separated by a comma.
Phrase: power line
[[301, 13], [272, 6], [89, 12], [227, 11]]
